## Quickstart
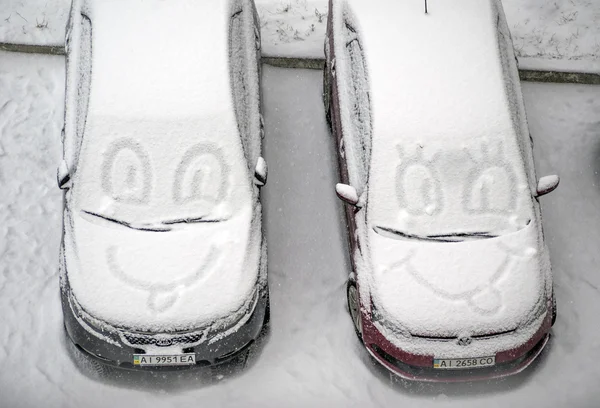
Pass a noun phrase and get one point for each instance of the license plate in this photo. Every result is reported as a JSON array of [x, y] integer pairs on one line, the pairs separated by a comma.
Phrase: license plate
[[460, 363], [164, 360]]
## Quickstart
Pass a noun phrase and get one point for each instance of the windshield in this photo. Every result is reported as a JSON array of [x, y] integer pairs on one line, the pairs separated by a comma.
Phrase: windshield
[[448, 193], [151, 176]]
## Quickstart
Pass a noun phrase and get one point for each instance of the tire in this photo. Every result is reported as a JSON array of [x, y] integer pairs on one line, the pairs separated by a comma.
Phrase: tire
[[354, 307], [326, 96], [89, 365], [554, 311], [267, 318]]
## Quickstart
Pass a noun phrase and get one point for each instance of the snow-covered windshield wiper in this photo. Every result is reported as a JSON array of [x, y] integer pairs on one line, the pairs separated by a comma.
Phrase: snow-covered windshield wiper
[[192, 220], [132, 225], [162, 226], [450, 237]]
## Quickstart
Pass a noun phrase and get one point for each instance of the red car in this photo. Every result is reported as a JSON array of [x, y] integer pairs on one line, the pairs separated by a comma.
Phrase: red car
[[452, 278]]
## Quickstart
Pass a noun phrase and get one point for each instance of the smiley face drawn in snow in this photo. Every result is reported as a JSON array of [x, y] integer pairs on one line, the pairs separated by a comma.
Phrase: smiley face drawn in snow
[[200, 178], [458, 193], [479, 293]]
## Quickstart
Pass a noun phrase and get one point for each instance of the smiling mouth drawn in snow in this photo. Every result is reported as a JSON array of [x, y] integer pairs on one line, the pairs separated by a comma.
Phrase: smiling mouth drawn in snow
[[162, 296], [483, 178], [480, 295]]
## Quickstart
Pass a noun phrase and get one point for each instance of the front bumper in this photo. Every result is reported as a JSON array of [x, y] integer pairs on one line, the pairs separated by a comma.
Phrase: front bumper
[[212, 345], [420, 368]]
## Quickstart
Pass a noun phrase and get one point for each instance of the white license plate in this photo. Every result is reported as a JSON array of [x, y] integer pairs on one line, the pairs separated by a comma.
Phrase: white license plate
[[164, 360], [460, 363]]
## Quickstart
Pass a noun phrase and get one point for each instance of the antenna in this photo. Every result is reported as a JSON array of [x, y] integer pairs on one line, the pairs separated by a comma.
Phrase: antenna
[[425, 6]]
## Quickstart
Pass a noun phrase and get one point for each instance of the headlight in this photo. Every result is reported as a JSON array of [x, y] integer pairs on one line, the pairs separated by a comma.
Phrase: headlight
[[540, 308], [395, 328]]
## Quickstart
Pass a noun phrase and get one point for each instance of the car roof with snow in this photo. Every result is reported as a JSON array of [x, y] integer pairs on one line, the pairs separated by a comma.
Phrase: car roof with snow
[[435, 75], [167, 63]]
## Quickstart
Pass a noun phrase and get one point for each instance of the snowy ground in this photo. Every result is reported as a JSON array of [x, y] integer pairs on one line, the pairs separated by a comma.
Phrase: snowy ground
[[310, 357], [39, 22], [545, 32]]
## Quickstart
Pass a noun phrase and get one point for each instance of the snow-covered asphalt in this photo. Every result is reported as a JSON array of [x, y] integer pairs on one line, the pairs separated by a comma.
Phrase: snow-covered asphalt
[[310, 357]]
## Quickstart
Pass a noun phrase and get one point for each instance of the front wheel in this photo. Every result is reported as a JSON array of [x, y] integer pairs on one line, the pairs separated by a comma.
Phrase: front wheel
[[326, 95], [554, 312], [354, 307]]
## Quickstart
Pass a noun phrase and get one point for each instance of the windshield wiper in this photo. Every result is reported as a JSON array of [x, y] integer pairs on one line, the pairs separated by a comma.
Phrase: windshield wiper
[[193, 220], [135, 226], [452, 237]]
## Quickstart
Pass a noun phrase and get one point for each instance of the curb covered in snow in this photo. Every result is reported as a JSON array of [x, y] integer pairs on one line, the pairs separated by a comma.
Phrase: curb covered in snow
[[532, 75], [560, 77], [33, 49]]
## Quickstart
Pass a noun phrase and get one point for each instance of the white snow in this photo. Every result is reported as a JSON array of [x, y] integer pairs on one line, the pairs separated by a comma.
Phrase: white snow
[[555, 30], [150, 67], [39, 22], [563, 34], [293, 28], [311, 356]]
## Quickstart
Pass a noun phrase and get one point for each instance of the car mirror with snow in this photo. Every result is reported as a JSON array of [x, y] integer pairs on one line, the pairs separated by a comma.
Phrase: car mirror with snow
[[547, 185], [347, 194], [260, 172], [63, 176]]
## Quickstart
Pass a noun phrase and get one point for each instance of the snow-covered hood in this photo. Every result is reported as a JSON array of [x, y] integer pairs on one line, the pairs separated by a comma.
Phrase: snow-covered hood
[[162, 281], [475, 287]]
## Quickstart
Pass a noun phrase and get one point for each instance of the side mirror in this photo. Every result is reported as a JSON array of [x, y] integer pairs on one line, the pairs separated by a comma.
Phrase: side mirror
[[260, 172], [347, 194], [63, 176], [547, 185]]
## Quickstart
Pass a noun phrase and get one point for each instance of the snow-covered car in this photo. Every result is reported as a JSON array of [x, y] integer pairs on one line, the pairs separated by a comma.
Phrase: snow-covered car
[[163, 259], [451, 276]]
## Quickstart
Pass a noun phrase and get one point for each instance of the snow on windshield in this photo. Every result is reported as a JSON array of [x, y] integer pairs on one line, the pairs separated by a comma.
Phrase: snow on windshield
[[445, 192], [161, 143], [155, 172]]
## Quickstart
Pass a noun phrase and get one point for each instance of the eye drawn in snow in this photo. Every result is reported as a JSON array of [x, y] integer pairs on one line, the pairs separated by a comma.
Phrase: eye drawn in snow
[[479, 291], [126, 172], [418, 186], [202, 175], [163, 295], [474, 182], [490, 184]]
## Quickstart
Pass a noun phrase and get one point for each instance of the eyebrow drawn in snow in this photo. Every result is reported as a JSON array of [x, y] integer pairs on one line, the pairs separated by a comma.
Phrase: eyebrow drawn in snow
[[162, 296]]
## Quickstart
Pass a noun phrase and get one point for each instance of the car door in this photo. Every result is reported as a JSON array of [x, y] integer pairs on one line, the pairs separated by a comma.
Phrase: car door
[[351, 120], [78, 47], [245, 79]]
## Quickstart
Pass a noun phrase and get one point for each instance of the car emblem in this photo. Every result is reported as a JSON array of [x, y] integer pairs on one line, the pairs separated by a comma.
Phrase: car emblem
[[164, 342], [464, 341]]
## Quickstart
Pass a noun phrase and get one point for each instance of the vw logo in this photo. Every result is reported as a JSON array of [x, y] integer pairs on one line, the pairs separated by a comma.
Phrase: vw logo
[[464, 341]]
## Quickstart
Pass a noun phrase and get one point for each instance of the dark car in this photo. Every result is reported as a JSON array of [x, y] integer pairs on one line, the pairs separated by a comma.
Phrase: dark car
[[163, 259]]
